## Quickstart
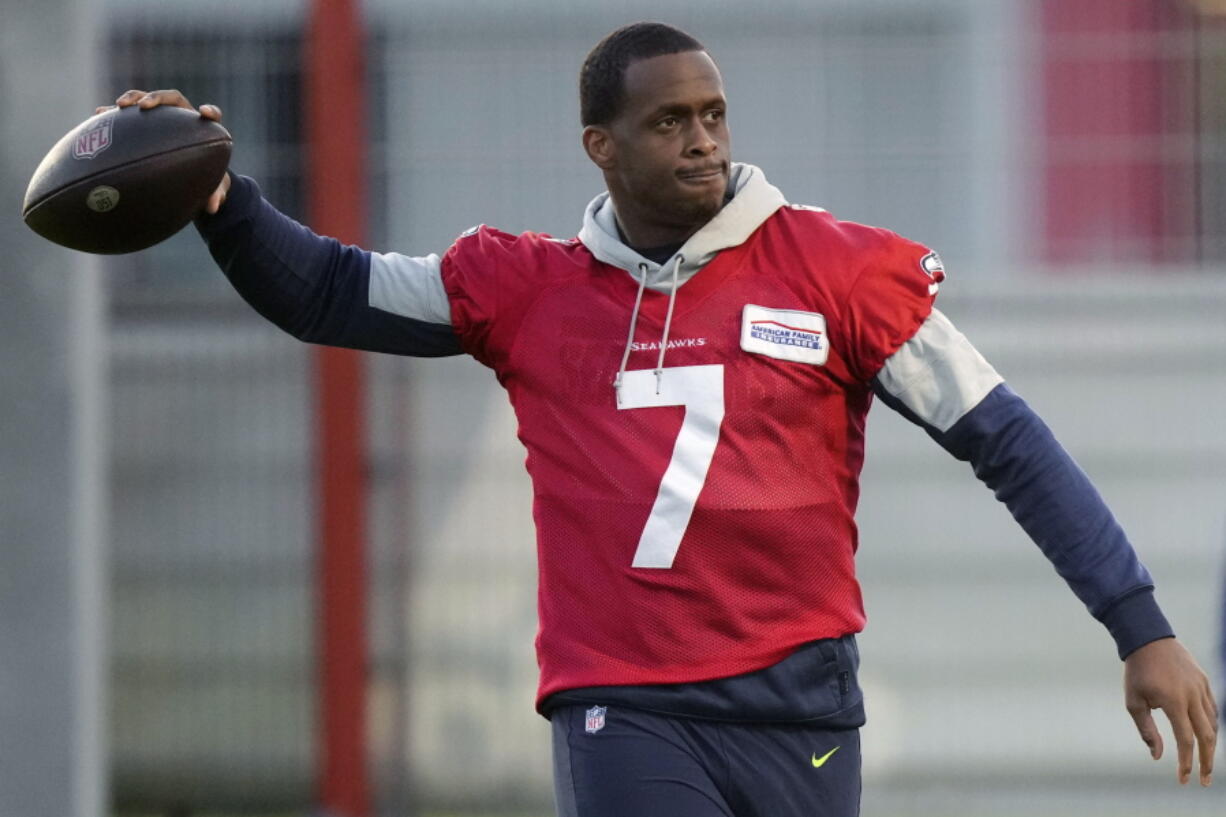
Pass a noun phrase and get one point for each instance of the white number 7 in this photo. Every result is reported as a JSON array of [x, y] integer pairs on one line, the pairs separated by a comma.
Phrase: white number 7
[[701, 390]]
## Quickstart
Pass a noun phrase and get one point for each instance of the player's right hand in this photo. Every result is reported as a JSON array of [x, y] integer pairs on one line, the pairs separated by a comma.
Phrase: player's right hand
[[152, 99]]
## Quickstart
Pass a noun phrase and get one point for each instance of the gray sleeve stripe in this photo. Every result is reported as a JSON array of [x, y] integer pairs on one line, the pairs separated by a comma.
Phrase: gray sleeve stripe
[[409, 286], [938, 374]]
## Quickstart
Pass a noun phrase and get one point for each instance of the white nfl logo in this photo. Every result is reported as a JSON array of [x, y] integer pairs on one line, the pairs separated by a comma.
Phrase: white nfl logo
[[595, 719], [93, 141]]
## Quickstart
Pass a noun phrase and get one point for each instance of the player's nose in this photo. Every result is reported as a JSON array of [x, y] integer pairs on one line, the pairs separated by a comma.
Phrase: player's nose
[[701, 144]]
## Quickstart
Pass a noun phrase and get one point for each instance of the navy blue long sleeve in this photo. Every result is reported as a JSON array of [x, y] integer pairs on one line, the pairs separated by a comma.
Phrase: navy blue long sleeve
[[1014, 453], [313, 287]]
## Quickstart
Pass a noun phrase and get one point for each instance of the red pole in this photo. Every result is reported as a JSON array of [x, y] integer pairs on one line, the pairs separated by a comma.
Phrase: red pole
[[336, 143]]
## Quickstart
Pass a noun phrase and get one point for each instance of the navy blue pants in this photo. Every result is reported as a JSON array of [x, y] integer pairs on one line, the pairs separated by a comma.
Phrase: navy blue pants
[[618, 762]]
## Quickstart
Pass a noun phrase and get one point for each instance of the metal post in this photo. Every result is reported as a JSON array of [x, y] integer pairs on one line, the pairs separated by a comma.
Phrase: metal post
[[53, 494], [335, 114]]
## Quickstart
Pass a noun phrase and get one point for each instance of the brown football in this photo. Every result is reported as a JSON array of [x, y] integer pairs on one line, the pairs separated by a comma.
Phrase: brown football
[[125, 179]]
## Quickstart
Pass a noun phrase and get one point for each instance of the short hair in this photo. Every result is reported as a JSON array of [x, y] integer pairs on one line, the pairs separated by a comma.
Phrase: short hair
[[602, 77]]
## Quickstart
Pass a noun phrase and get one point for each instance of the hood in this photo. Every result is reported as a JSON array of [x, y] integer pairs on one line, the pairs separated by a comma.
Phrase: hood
[[753, 201]]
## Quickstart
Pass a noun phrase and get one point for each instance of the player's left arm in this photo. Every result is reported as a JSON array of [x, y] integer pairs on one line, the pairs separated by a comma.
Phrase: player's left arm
[[940, 382]]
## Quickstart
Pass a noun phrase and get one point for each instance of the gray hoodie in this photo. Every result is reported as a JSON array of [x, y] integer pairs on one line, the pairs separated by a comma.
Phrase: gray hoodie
[[754, 201]]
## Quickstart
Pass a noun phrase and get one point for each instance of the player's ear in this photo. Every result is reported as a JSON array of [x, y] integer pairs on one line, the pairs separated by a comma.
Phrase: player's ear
[[598, 142]]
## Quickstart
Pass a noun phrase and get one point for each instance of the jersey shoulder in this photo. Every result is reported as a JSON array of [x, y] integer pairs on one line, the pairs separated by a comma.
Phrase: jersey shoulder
[[492, 278], [483, 245], [859, 253], [849, 236], [503, 269], [876, 286]]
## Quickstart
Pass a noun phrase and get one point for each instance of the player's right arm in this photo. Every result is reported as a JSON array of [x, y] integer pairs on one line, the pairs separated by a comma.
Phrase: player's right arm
[[314, 287]]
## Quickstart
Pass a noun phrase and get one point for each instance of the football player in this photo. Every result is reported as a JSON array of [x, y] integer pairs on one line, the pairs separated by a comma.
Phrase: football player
[[691, 376]]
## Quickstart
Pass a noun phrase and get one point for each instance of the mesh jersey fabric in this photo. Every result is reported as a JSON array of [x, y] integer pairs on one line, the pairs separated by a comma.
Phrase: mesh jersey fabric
[[766, 560]]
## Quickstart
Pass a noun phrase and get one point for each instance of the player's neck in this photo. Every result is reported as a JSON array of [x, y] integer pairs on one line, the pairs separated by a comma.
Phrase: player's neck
[[642, 232], [659, 253]]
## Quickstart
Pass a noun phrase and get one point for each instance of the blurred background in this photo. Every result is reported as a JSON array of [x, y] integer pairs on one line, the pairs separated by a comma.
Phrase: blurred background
[[161, 613]]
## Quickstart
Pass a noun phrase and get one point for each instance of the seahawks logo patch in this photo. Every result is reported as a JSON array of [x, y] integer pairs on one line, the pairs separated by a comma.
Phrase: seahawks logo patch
[[931, 265]]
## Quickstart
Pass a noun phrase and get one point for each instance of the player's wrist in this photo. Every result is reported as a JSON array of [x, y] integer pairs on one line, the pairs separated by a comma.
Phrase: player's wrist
[[222, 192], [1136, 620], [242, 194]]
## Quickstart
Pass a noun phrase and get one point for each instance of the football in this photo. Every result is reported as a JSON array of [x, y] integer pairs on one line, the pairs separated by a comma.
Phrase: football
[[126, 178]]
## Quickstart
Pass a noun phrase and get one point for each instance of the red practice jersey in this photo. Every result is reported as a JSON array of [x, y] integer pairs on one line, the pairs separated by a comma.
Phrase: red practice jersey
[[699, 524]]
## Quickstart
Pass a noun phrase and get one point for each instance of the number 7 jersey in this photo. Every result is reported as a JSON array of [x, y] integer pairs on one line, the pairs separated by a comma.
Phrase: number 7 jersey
[[696, 522]]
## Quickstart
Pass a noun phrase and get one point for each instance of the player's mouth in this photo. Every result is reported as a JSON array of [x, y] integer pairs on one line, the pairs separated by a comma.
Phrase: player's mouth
[[703, 176]]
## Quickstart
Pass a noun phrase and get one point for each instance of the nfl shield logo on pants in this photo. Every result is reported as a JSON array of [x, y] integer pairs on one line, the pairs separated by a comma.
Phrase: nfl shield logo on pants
[[595, 719]]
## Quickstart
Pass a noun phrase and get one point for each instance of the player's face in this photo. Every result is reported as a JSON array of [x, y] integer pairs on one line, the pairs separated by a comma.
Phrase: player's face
[[667, 156]]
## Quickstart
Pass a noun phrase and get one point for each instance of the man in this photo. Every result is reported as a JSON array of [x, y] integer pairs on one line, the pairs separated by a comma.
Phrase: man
[[691, 376]]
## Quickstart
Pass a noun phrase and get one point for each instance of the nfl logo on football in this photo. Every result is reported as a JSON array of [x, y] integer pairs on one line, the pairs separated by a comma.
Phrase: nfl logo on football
[[93, 141], [595, 719]]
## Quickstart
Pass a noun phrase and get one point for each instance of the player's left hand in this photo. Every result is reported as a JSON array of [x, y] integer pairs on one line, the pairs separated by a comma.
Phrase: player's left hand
[[1164, 675]]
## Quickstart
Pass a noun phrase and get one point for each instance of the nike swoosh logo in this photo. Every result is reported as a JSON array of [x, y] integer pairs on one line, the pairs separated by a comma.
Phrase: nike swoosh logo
[[819, 762]]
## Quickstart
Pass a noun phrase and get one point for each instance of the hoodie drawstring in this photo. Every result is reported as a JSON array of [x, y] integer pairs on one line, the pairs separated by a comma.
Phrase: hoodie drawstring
[[668, 322], [634, 317]]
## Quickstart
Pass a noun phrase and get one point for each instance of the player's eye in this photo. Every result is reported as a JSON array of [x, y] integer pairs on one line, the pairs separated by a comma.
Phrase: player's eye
[[715, 115], [667, 122]]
